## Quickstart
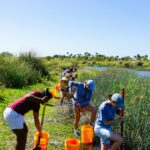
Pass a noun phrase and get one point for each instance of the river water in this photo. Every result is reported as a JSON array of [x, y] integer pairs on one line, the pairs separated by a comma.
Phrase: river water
[[139, 72]]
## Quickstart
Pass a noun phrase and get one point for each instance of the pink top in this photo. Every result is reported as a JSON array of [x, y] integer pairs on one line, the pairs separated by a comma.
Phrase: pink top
[[22, 106]]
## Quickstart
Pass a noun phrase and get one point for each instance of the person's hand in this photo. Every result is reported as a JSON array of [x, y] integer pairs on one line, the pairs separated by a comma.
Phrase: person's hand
[[45, 99], [74, 75], [118, 120], [39, 129], [69, 95]]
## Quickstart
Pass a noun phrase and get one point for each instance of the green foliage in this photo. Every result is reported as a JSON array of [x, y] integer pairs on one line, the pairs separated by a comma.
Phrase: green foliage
[[139, 63], [16, 73], [34, 62], [6, 54]]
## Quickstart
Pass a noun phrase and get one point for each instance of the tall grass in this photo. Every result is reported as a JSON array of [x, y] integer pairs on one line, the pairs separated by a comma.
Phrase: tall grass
[[137, 100]]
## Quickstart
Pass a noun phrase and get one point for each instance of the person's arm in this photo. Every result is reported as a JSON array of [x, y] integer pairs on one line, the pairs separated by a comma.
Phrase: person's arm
[[113, 122], [110, 122], [37, 121], [32, 98]]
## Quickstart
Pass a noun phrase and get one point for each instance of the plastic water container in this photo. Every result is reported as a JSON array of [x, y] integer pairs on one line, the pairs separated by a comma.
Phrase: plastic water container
[[43, 140], [53, 92], [87, 133], [57, 87], [72, 144]]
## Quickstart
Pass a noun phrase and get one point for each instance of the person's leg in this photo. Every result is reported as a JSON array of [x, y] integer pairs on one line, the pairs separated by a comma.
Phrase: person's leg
[[117, 140], [61, 99], [104, 146], [91, 109], [104, 135], [76, 117], [21, 137]]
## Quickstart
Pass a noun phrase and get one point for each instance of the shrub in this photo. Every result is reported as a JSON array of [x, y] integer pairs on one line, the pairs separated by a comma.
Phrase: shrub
[[127, 65], [35, 63], [139, 63], [84, 62], [15, 73]]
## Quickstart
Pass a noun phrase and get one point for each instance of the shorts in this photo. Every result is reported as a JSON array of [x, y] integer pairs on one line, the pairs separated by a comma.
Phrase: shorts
[[13, 119], [103, 133]]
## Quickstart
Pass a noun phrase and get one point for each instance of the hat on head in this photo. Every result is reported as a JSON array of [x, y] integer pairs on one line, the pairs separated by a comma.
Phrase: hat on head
[[64, 82], [64, 79], [91, 85], [117, 98]]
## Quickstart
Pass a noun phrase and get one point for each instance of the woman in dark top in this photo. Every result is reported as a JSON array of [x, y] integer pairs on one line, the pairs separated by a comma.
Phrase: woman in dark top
[[13, 114]]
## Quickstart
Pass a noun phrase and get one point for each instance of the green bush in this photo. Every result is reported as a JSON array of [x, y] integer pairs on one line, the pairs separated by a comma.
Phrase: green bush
[[16, 74], [34, 62], [139, 63]]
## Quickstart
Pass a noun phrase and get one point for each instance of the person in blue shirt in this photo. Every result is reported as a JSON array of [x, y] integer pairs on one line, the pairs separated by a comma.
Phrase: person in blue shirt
[[105, 120], [81, 101]]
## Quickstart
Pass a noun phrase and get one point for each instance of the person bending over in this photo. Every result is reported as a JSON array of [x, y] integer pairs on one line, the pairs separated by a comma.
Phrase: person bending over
[[13, 114]]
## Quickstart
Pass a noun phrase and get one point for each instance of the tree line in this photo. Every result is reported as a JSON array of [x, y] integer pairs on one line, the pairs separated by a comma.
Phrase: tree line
[[96, 56]]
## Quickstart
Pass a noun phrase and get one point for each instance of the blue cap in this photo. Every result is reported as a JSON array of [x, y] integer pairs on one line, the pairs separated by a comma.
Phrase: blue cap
[[117, 98], [91, 85]]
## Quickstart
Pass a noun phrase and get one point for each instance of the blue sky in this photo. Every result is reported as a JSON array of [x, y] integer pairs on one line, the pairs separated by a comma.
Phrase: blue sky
[[49, 27]]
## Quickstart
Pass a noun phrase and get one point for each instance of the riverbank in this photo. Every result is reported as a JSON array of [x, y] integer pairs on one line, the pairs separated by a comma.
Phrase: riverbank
[[134, 64]]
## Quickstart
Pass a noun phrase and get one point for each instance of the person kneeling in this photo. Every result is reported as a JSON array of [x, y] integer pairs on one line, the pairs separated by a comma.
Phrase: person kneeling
[[105, 120]]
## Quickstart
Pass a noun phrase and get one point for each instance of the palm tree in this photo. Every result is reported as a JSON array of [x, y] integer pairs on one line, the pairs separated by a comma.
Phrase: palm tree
[[138, 57]]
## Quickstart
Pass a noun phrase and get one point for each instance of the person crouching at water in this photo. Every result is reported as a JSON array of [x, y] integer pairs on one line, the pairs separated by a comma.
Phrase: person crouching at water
[[13, 114], [105, 120]]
